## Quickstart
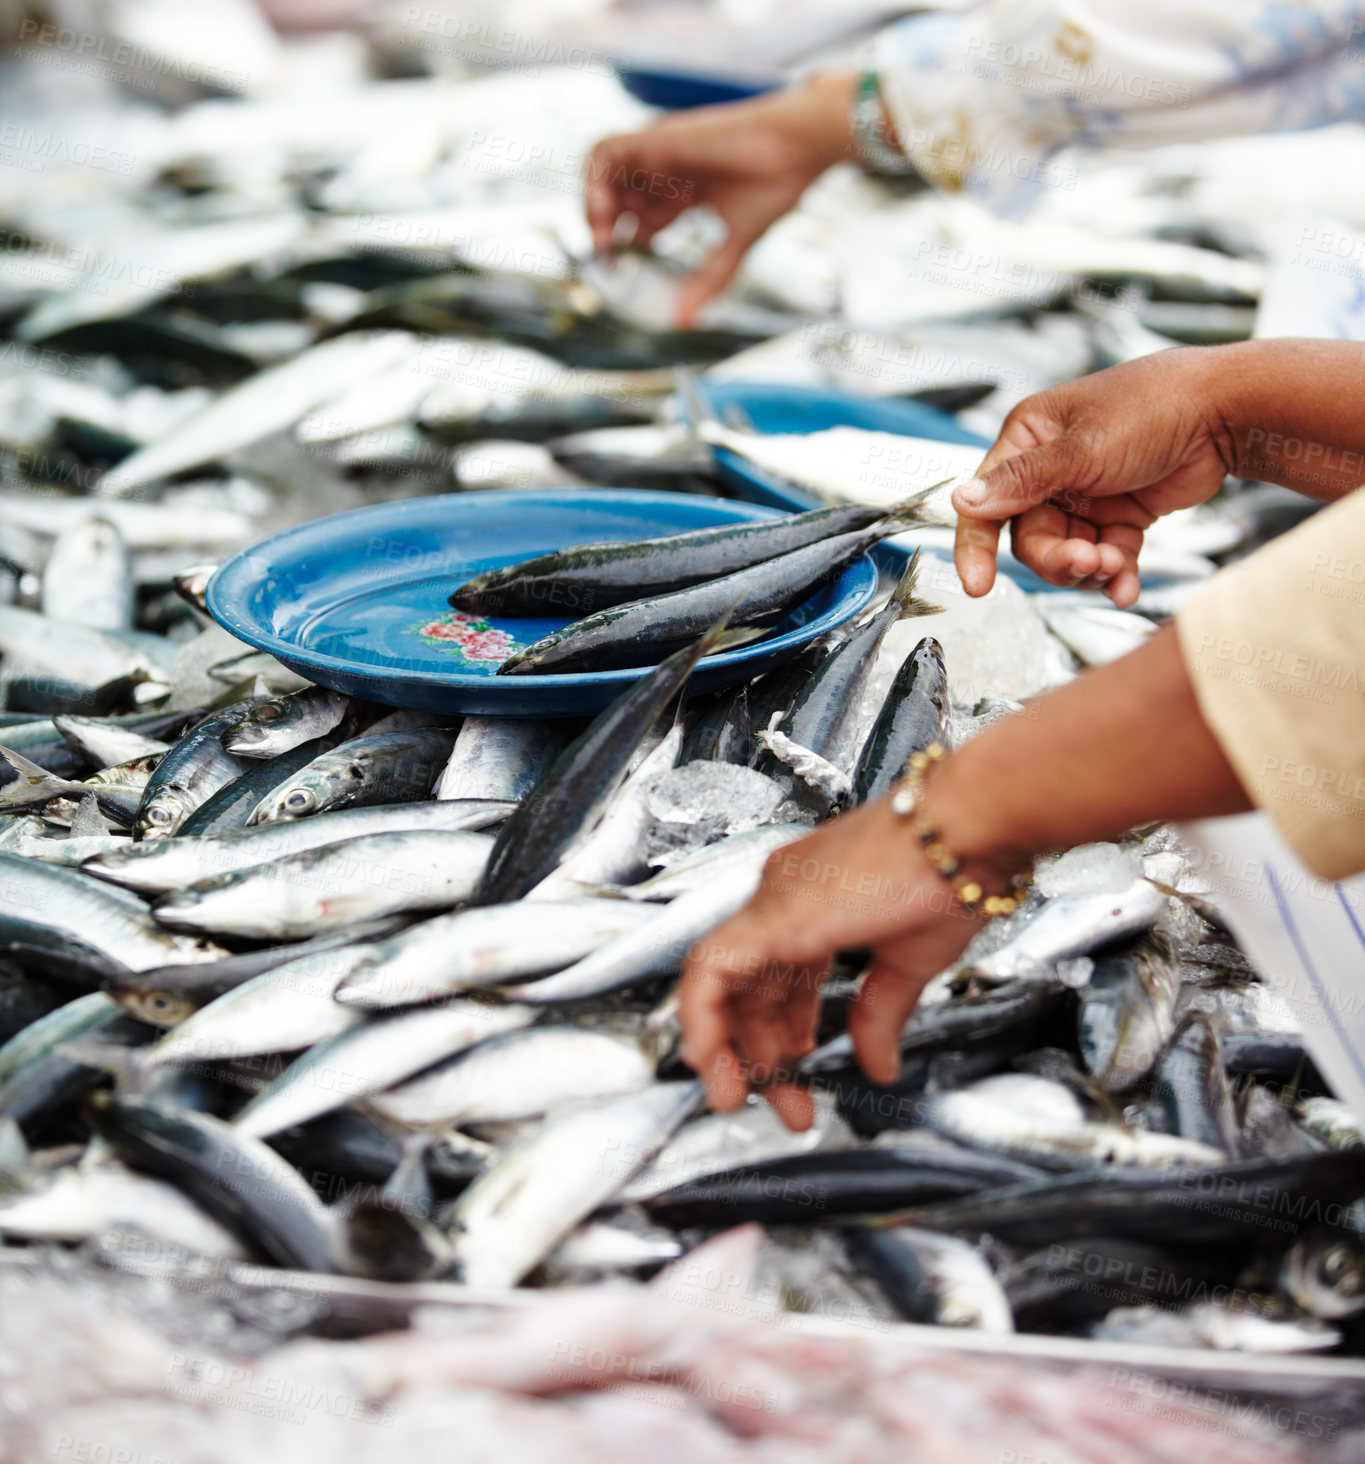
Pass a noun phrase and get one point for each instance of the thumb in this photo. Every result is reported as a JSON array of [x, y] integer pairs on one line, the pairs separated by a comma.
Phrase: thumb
[[1023, 481], [713, 276]]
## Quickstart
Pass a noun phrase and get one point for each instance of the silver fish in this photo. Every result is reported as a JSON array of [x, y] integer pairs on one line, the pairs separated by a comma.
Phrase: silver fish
[[327, 889], [652, 949], [1071, 925], [105, 743], [486, 946], [157, 866], [518, 1076], [286, 722], [88, 578], [538, 1191], [500, 757], [1042, 1123], [1128, 1012], [935, 1279], [75, 1205], [738, 856], [372, 1056], [264, 404], [191, 773], [46, 906], [287, 1007], [612, 851], [379, 767]]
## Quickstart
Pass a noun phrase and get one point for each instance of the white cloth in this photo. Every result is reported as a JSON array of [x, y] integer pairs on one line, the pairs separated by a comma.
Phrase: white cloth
[[982, 99], [1303, 933]]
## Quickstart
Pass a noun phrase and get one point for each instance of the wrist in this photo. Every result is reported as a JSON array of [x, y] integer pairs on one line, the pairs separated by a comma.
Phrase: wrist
[[978, 821], [820, 119]]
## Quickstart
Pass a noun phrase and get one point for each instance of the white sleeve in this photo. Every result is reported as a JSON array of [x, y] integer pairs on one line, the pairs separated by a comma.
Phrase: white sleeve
[[982, 99]]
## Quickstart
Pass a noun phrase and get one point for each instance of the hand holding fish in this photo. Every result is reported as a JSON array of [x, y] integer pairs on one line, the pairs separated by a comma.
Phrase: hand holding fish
[[1082, 470], [750, 161]]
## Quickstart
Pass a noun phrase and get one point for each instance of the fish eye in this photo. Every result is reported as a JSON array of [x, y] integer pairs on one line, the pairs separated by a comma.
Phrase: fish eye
[[267, 713], [1335, 1263], [299, 798], [158, 815]]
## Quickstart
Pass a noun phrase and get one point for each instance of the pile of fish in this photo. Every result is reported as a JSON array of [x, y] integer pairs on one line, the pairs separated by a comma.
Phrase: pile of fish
[[296, 978], [289, 977]]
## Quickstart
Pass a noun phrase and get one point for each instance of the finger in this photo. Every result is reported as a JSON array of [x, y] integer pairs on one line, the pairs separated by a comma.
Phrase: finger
[[1124, 589], [800, 1016], [877, 1017], [974, 551], [704, 1009], [1041, 541], [1024, 481], [793, 1106], [602, 200], [713, 276]]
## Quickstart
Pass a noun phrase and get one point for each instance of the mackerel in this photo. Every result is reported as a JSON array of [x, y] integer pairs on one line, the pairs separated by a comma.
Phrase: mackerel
[[378, 767], [373, 1056], [240, 1182], [637, 632], [46, 906], [652, 949], [914, 715], [486, 946], [518, 1076], [283, 723], [572, 792], [592, 577], [500, 757], [157, 866], [538, 1191], [327, 889], [191, 773]]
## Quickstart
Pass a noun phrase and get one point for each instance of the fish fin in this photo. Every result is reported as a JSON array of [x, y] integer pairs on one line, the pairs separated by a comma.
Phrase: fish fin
[[87, 819], [911, 511], [741, 635], [904, 594], [30, 770], [124, 1062], [14, 1155]]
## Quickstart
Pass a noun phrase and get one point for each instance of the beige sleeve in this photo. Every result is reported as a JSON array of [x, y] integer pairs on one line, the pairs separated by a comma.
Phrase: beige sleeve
[[1275, 649]]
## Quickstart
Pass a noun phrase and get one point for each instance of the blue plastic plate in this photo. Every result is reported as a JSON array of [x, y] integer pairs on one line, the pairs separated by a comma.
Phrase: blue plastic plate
[[676, 89], [358, 601]]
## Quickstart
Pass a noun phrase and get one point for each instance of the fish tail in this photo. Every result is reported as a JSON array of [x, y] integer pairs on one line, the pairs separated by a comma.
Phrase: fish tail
[[904, 594], [911, 511]]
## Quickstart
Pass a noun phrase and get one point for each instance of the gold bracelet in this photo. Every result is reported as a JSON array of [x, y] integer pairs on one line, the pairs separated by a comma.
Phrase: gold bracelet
[[907, 802]]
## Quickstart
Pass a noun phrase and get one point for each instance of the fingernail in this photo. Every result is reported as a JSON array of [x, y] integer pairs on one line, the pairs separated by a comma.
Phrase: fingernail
[[973, 493]]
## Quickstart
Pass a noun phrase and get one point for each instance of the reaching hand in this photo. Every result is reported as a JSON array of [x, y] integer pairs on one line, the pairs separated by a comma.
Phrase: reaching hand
[[750, 161], [1081, 470], [750, 996]]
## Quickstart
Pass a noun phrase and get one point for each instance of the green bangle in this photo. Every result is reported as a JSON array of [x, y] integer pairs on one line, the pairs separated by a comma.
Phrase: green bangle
[[871, 145]]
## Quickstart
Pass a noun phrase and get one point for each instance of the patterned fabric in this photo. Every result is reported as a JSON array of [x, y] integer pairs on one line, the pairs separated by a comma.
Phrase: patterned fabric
[[983, 99]]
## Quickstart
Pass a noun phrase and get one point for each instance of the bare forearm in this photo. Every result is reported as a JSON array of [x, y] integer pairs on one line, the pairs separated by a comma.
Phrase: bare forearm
[[1121, 746], [1295, 412]]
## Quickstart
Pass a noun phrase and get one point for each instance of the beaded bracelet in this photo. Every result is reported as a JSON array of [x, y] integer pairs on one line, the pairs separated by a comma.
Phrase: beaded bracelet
[[874, 149], [907, 802]]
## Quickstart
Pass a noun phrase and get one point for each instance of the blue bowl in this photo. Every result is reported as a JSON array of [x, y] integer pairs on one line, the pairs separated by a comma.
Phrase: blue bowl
[[677, 90], [358, 601]]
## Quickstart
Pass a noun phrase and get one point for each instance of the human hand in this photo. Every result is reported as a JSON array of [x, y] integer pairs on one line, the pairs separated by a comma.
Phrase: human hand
[[750, 995], [1082, 470], [750, 161]]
